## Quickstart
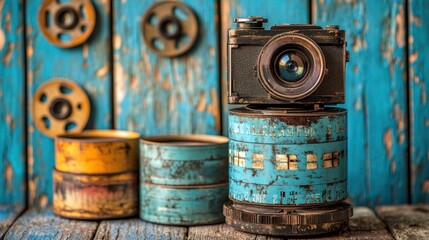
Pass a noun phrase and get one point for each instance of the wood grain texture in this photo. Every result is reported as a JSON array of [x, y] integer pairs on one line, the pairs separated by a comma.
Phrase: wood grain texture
[[406, 221], [222, 232], [376, 96], [418, 91], [159, 95], [137, 229], [277, 12], [12, 104], [87, 65], [8, 215], [43, 224], [363, 225]]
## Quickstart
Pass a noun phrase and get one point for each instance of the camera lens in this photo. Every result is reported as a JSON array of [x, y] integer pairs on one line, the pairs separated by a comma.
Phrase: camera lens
[[291, 67]]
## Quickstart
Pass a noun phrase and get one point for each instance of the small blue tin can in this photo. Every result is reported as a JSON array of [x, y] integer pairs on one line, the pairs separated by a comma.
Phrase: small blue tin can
[[183, 179]]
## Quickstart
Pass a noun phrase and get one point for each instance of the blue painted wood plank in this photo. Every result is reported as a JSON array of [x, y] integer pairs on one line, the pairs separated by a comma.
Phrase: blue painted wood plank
[[8, 214], [12, 104], [159, 95], [419, 90], [376, 96], [134, 229], [43, 224], [87, 65], [277, 12]]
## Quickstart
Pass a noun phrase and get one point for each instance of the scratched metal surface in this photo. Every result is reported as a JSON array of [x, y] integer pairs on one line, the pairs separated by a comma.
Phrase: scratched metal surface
[[87, 65], [12, 103], [277, 11], [184, 165], [376, 96], [191, 205], [159, 95], [285, 159], [418, 92]]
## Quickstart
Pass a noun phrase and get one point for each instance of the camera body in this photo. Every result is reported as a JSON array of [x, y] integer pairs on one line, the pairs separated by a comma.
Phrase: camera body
[[295, 64]]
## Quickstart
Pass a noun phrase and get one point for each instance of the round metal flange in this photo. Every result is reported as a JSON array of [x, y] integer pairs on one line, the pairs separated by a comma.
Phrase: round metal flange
[[60, 106], [67, 25], [170, 28], [288, 221]]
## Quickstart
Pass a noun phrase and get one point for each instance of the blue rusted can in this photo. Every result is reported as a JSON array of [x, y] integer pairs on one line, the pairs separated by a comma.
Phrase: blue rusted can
[[184, 159], [183, 179], [287, 156], [183, 205]]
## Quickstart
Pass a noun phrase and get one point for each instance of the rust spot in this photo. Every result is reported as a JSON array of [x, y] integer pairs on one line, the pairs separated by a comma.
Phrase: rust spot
[[399, 117], [8, 54], [401, 138], [392, 166], [30, 160], [358, 104], [416, 20], [133, 81], [117, 41], [202, 102], [388, 142], [425, 186], [102, 72], [43, 201], [32, 190], [171, 102], [166, 83], [8, 173], [213, 108], [422, 93], [413, 57], [400, 28]]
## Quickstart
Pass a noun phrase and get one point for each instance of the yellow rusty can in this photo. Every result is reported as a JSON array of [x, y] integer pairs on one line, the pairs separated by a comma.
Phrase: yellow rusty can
[[95, 196], [97, 152]]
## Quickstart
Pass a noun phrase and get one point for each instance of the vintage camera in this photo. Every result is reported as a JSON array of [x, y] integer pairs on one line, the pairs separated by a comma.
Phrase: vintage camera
[[287, 64]]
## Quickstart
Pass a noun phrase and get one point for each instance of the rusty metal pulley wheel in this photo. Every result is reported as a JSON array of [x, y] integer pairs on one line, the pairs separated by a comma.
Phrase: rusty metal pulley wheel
[[66, 25], [60, 106], [170, 28]]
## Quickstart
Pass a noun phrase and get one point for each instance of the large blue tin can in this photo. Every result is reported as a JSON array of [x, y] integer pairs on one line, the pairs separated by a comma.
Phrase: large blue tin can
[[287, 156], [183, 179]]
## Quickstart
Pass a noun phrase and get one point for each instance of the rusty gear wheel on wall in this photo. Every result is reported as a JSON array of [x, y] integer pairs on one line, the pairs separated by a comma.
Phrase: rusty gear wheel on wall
[[66, 25], [170, 28], [60, 106]]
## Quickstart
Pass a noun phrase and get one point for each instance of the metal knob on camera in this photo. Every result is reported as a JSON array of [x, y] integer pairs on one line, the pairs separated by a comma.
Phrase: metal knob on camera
[[287, 150]]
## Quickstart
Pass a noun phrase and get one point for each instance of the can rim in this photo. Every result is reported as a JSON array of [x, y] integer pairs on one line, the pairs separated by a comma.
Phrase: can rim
[[205, 186], [253, 110], [100, 135], [194, 140]]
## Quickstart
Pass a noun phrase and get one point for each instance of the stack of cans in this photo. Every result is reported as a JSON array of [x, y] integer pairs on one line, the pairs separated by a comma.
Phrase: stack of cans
[[184, 179], [288, 171], [96, 174]]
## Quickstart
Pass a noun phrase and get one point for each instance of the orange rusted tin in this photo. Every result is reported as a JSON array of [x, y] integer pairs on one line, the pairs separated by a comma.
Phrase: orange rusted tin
[[95, 196], [97, 152]]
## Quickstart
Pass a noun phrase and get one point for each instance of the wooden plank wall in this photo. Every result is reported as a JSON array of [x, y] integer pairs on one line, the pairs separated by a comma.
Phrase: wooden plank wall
[[88, 65], [138, 90], [418, 77], [161, 95], [376, 96], [12, 103]]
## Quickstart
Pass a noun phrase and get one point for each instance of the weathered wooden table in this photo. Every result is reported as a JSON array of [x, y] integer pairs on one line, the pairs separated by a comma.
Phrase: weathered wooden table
[[388, 222]]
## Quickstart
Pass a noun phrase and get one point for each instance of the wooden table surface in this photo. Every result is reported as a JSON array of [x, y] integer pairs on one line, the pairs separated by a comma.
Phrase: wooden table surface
[[387, 222]]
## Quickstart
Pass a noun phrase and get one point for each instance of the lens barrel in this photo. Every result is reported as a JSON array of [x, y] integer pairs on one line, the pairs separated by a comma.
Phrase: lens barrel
[[287, 170], [291, 66]]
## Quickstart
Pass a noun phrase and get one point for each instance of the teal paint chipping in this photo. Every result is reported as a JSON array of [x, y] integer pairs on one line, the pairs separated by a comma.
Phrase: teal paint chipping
[[418, 92], [280, 158], [86, 65], [160, 95], [375, 96], [12, 104]]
